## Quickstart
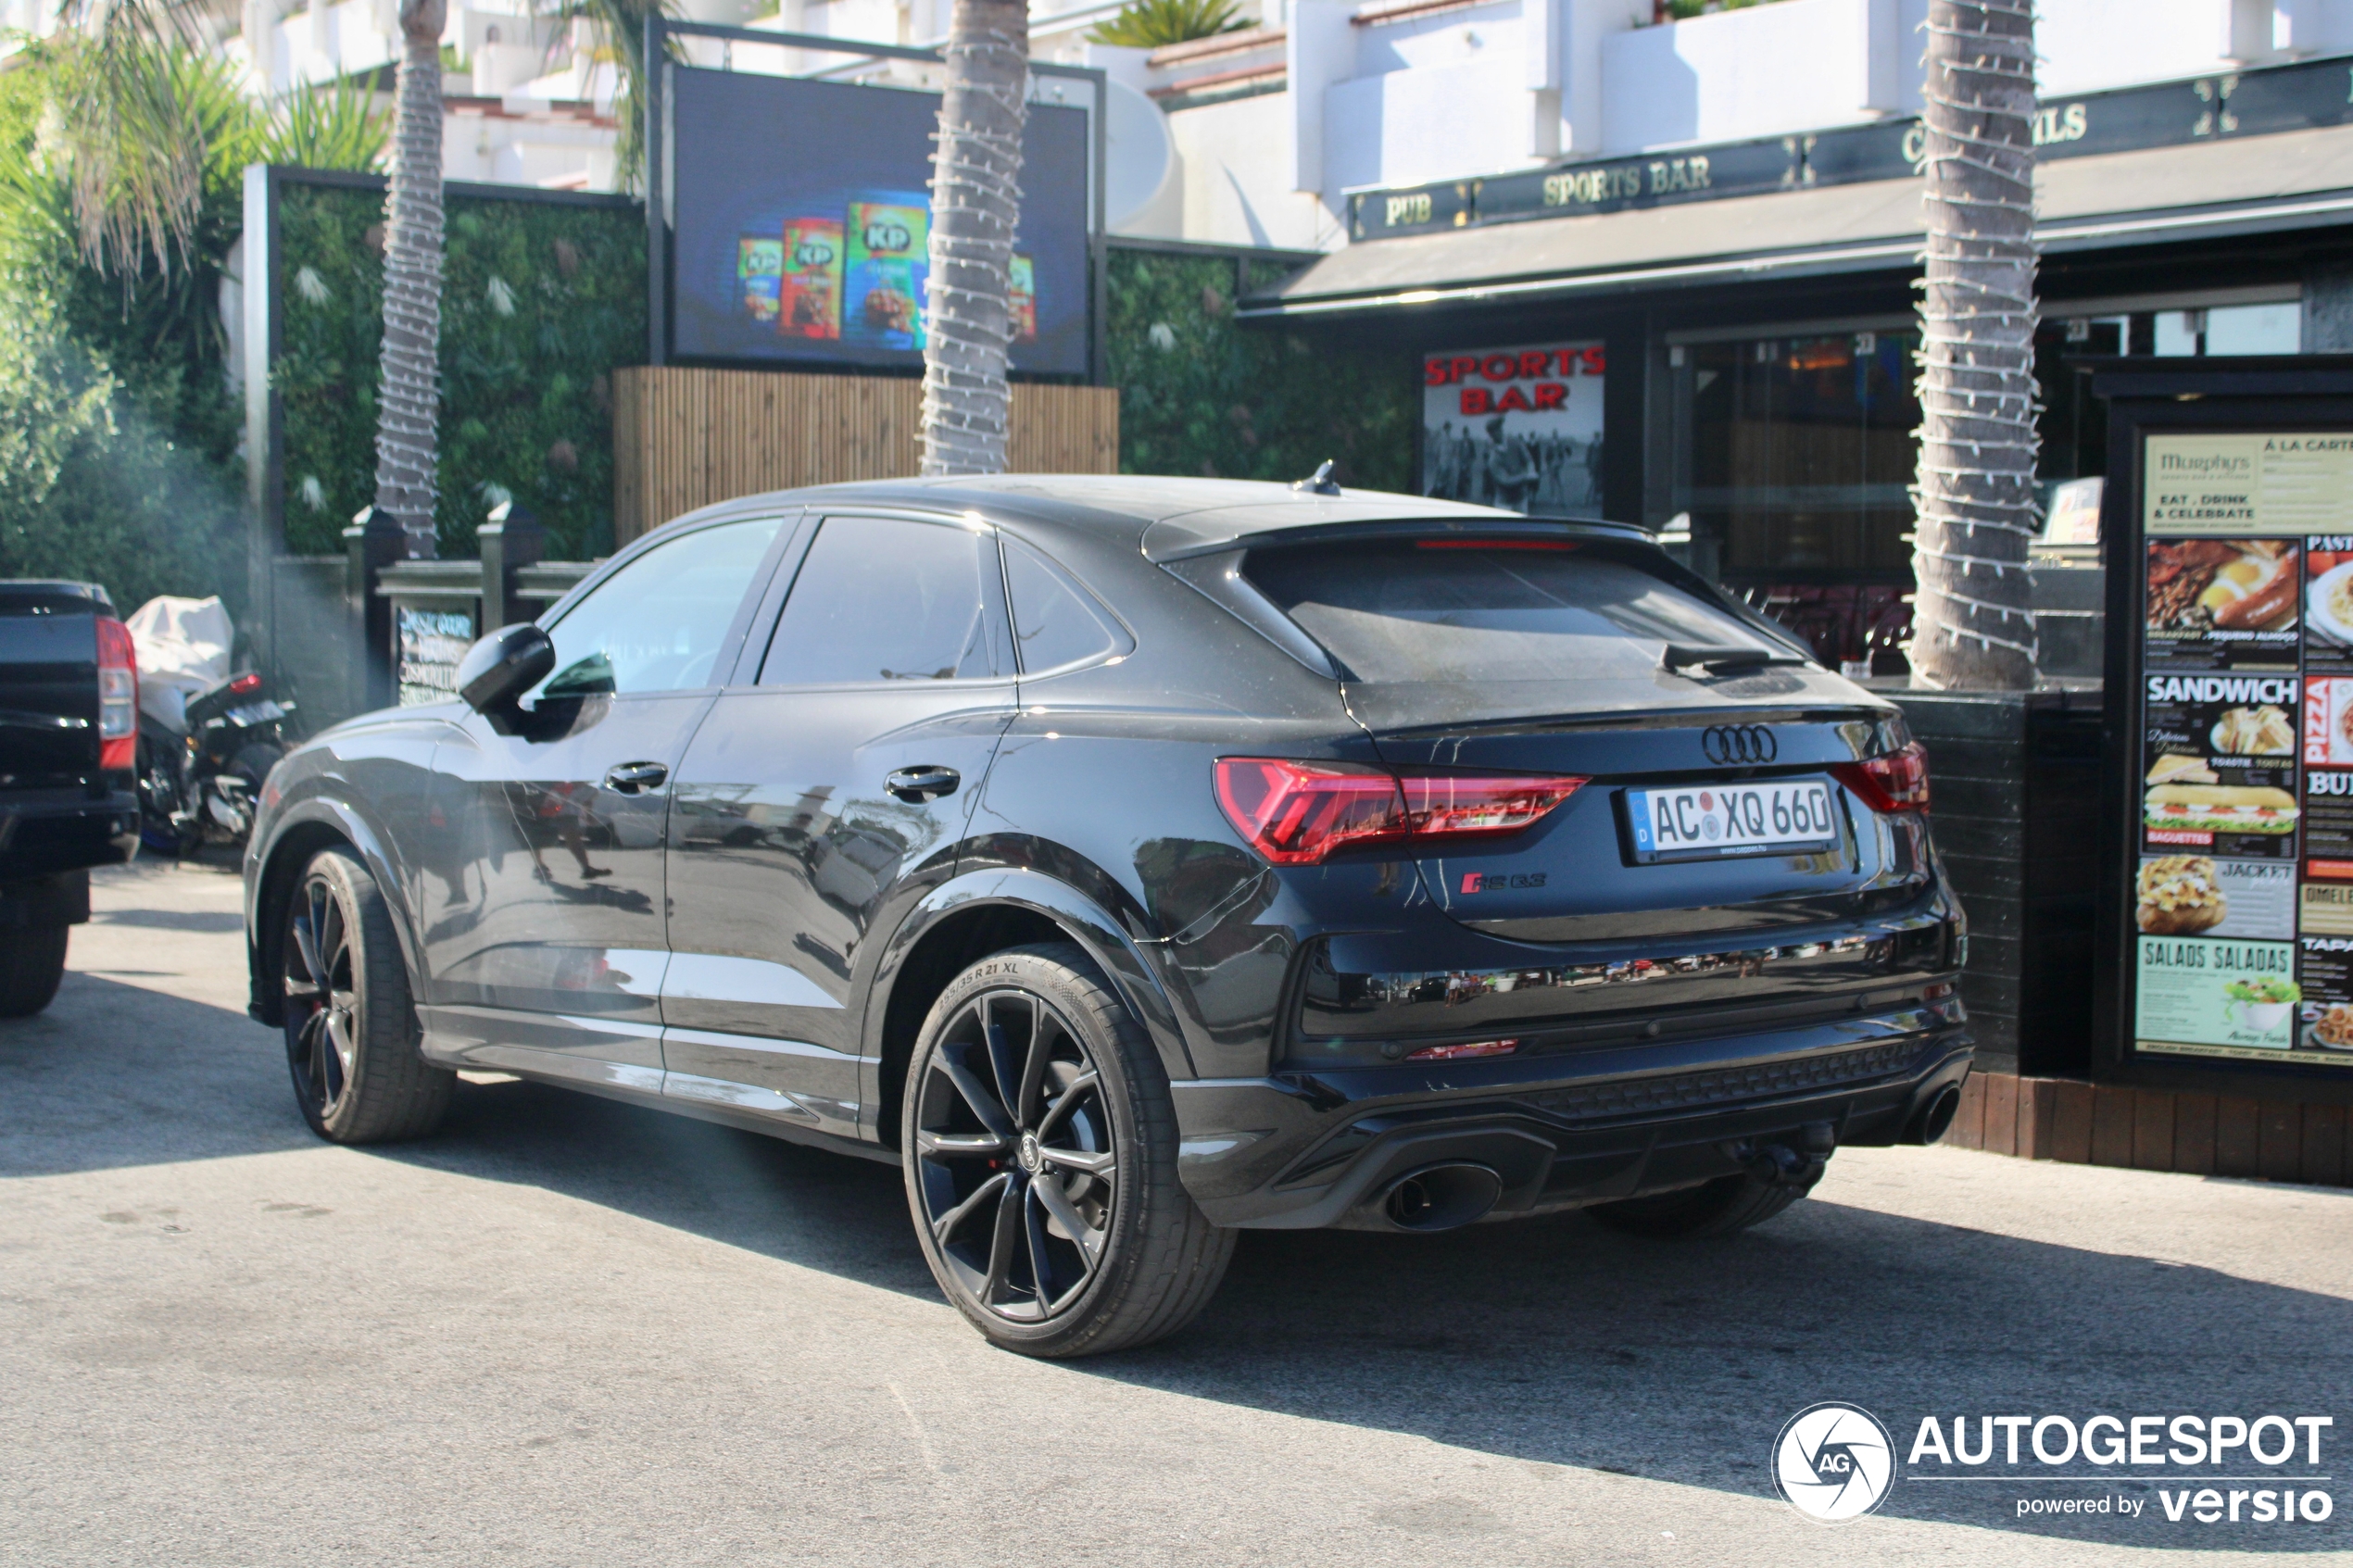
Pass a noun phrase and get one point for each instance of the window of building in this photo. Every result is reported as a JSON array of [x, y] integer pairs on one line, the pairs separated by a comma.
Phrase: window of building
[[2075, 423], [1794, 453]]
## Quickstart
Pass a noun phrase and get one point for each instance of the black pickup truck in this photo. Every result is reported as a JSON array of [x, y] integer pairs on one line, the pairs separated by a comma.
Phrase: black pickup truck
[[69, 732]]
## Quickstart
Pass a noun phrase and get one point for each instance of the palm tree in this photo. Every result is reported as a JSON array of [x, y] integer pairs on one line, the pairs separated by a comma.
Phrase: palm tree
[[1973, 621], [975, 203], [408, 395]]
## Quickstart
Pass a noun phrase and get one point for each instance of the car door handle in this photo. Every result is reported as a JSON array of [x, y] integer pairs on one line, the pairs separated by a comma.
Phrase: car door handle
[[915, 786], [635, 778]]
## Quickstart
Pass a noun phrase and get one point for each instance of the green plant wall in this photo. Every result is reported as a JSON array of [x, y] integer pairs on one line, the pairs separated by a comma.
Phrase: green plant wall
[[540, 303], [1201, 393]]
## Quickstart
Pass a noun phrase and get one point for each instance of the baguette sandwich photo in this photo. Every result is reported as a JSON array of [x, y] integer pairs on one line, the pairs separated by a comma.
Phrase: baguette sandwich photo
[[2214, 808]]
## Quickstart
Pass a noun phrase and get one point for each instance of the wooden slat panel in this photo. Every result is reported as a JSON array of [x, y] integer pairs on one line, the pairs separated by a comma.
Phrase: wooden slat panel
[[684, 438], [2153, 1129], [2071, 1123], [2323, 1143], [2037, 1117], [2235, 1136], [2111, 1124], [1968, 1130], [2194, 1134], [2281, 1145], [2001, 1114]]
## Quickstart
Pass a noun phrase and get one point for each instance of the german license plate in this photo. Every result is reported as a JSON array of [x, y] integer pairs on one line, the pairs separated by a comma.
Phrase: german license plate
[[1711, 821]]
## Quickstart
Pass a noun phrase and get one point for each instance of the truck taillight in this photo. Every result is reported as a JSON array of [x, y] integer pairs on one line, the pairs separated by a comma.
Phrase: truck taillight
[[118, 696], [1897, 782], [1299, 813]]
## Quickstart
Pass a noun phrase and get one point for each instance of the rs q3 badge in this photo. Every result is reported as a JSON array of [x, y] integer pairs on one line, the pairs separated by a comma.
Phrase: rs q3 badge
[[1495, 881]]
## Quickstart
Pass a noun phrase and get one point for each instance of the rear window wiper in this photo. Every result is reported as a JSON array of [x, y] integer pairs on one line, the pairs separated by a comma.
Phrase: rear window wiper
[[1722, 658]]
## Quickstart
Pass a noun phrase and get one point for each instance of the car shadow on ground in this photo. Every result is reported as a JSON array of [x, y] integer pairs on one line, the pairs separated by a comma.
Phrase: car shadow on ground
[[1553, 1340]]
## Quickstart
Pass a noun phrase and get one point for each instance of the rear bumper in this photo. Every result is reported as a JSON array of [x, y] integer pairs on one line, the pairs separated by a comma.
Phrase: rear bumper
[[41, 834], [1302, 1150]]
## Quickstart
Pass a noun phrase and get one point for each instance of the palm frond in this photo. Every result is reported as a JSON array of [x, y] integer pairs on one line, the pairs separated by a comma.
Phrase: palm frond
[[341, 127], [140, 117], [618, 28], [1153, 24]]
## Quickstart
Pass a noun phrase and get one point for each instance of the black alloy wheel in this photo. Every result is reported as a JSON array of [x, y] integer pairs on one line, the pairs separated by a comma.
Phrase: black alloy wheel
[[350, 1025], [1016, 1161], [1041, 1138], [323, 1003]]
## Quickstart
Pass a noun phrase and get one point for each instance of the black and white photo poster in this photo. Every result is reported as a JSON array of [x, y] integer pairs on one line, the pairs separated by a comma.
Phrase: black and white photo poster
[[1517, 428]]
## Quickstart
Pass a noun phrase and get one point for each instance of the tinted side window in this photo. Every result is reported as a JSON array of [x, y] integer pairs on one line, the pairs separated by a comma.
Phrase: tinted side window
[[885, 599], [1437, 612], [1054, 625], [657, 623]]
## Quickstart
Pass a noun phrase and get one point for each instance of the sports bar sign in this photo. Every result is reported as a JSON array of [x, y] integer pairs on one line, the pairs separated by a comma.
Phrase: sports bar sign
[[2243, 892], [2297, 96]]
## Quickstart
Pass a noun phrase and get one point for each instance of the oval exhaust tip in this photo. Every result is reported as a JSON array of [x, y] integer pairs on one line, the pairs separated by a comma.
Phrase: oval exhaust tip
[[1439, 1198], [1937, 1115]]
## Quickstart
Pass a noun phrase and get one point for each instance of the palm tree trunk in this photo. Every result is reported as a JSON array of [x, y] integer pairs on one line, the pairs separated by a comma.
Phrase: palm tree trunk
[[409, 385], [1973, 621], [975, 206]]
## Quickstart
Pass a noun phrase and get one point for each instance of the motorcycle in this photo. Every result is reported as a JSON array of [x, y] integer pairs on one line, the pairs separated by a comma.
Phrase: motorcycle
[[202, 787], [206, 740]]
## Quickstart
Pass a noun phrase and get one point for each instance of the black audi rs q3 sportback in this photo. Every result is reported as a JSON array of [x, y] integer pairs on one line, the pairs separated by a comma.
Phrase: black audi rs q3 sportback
[[1135, 861]]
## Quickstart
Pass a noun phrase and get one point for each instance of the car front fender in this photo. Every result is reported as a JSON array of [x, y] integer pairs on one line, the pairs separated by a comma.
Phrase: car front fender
[[295, 831]]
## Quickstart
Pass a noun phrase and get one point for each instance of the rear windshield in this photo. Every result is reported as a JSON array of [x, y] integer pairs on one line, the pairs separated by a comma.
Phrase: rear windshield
[[1431, 611], [35, 598]]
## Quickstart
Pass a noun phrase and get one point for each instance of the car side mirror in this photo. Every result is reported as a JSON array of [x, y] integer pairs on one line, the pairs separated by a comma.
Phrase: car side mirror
[[502, 666]]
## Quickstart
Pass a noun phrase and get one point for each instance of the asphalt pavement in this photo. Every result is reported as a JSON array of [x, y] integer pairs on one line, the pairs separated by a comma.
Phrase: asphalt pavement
[[568, 1332]]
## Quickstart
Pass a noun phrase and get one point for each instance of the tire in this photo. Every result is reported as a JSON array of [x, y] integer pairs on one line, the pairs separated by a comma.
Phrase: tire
[[253, 762], [350, 1022], [1716, 1208], [33, 960], [1040, 1145]]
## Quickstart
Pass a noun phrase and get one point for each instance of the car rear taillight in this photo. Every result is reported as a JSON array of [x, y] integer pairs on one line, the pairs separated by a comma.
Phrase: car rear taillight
[[1897, 782], [118, 696], [1299, 813]]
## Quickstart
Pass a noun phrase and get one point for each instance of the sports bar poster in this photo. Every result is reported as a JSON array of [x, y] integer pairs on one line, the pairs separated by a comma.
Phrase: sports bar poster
[[2242, 894]]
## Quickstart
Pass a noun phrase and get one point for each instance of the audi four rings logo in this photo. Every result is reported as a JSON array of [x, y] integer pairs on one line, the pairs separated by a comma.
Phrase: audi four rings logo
[[1727, 744]]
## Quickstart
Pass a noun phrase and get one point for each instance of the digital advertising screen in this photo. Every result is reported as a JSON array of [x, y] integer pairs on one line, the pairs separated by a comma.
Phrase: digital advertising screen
[[802, 216]]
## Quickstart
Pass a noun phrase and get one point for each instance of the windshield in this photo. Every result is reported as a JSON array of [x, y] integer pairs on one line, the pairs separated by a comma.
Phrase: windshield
[[1432, 611]]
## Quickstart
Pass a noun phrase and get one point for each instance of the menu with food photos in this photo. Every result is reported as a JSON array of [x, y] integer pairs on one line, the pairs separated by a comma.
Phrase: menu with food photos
[[2242, 898]]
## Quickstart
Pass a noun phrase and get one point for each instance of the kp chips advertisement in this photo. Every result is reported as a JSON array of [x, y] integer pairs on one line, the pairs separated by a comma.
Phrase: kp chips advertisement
[[2242, 898], [801, 223]]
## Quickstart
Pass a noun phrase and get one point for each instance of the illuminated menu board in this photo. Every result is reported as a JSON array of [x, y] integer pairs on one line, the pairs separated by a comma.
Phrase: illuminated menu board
[[2243, 890]]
